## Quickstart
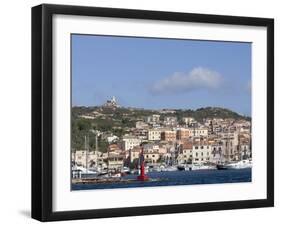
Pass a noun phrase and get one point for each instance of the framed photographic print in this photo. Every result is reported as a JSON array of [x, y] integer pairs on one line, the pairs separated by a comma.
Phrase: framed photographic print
[[145, 112]]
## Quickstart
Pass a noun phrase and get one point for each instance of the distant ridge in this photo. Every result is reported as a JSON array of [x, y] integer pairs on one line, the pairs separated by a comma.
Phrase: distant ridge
[[199, 114]]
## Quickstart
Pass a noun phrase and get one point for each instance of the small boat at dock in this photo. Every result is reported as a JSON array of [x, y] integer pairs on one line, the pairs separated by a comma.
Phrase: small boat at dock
[[196, 166], [242, 164]]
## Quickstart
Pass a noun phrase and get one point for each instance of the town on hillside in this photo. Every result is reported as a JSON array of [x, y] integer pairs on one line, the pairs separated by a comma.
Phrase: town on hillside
[[110, 138]]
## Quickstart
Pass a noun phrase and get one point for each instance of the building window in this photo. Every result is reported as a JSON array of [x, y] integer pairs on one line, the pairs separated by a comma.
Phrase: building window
[[196, 147], [202, 153], [202, 147]]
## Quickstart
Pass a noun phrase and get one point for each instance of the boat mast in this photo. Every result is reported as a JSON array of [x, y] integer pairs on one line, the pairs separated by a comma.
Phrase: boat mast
[[97, 133], [250, 144], [86, 149], [96, 143], [239, 147], [107, 161], [193, 138]]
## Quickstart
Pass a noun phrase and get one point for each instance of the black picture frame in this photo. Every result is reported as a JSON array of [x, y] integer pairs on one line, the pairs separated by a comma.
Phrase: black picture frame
[[42, 111]]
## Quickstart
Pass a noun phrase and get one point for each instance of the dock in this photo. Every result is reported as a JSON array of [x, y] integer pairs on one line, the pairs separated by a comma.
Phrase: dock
[[111, 180]]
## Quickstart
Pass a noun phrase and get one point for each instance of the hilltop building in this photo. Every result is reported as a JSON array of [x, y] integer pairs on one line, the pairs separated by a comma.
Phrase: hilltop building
[[111, 103]]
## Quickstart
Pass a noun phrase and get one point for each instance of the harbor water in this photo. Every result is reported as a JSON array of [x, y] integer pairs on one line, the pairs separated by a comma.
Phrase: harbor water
[[173, 178]]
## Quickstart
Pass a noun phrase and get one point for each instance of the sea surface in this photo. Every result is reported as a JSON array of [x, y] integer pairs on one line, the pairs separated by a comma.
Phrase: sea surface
[[177, 178]]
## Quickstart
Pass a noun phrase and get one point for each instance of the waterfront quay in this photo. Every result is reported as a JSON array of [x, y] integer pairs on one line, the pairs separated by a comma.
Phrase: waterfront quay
[[172, 178]]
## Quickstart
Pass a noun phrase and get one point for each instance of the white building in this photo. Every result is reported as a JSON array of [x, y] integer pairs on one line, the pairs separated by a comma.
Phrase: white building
[[151, 153], [115, 162], [154, 134], [129, 142], [111, 103], [188, 120], [141, 125], [170, 120], [197, 132], [134, 153], [87, 159], [112, 138], [153, 119], [151, 147], [201, 153]]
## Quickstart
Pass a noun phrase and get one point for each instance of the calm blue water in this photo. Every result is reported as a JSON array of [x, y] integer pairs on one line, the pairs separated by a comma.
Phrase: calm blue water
[[178, 178]]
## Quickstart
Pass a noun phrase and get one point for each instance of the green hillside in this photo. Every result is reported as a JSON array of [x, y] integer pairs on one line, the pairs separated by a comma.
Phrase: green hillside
[[119, 121]]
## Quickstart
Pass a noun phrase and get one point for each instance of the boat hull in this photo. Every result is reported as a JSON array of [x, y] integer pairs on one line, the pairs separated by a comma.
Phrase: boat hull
[[244, 164]]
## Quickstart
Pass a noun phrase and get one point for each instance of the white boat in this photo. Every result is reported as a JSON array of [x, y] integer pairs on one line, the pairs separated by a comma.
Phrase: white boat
[[168, 168], [153, 169], [171, 168], [125, 170], [116, 175], [134, 171], [110, 175], [243, 164], [83, 170], [197, 166]]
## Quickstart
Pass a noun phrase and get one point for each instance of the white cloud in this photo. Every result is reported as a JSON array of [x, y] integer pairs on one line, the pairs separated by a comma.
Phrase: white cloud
[[198, 78]]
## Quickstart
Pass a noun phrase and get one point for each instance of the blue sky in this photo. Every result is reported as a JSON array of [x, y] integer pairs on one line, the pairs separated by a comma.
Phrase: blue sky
[[161, 73]]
